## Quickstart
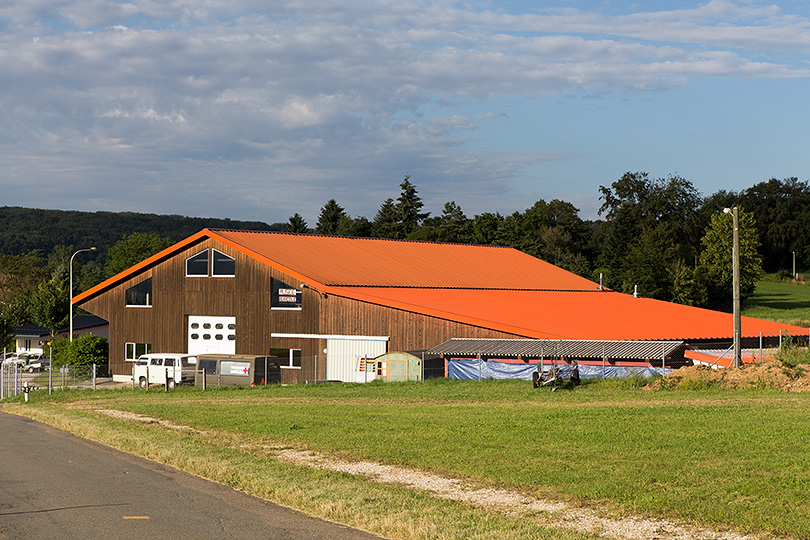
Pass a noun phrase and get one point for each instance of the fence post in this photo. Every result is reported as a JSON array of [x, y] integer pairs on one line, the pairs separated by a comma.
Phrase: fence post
[[94, 377]]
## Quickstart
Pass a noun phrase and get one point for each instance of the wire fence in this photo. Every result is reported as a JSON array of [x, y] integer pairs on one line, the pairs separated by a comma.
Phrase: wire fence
[[16, 379]]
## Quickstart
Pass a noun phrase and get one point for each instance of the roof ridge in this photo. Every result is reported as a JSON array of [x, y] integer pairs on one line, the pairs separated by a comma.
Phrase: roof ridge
[[346, 286], [369, 238]]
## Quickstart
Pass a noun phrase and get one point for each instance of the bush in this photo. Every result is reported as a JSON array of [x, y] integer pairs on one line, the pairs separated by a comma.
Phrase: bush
[[88, 349], [59, 347], [791, 354], [783, 274], [82, 351]]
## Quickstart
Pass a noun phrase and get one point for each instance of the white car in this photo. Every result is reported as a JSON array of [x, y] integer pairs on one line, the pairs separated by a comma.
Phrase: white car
[[19, 360], [164, 368]]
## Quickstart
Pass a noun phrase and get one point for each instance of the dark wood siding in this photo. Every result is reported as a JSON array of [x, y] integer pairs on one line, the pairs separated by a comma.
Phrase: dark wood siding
[[407, 331], [247, 297]]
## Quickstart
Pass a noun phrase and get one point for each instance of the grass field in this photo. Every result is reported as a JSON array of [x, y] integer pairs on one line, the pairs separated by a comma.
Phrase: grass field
[[783, 302], [733, 460]]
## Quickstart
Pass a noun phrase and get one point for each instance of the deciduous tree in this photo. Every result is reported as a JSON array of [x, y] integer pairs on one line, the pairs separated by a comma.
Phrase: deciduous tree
[[716, 269], [132, 249]]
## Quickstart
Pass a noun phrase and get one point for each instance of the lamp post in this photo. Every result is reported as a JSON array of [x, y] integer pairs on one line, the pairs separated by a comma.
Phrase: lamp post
[[71, 286], [735, 256]]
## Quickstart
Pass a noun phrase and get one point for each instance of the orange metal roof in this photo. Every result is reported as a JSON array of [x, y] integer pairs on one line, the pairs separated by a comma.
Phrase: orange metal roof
[[374, 262], [724, 359], [492, 287], [601, 315]]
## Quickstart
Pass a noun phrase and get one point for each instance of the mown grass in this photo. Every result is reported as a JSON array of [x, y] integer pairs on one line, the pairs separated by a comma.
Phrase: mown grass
[[780, 301], [722, 459]]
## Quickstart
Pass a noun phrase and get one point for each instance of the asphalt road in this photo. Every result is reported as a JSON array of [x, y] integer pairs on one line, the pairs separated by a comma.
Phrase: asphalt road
[[55, 485]]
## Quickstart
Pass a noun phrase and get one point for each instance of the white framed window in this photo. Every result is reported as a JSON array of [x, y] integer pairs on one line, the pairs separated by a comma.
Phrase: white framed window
[[135, 350], [222, 265], [140, 295], [289, 358], [197, 265]]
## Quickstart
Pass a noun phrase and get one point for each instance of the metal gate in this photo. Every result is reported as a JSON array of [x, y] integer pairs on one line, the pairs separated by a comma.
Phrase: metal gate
[[11, 382]]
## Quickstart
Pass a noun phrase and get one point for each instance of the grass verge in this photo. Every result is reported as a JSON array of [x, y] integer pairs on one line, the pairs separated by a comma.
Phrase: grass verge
[[388, 510], [717, 458]]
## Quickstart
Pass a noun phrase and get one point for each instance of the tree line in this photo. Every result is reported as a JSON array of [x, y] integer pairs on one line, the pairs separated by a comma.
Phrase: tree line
[[658, 236]]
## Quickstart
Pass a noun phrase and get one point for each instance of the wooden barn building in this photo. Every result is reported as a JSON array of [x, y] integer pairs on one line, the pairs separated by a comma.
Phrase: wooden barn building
[[322, 303]]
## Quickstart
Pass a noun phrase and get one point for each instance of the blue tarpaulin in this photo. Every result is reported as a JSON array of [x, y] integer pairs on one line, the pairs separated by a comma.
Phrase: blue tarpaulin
[[473, 368]]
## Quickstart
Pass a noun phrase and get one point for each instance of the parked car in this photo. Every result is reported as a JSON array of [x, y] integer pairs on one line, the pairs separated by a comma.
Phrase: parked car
[[164, 368], [16, 359], [9, 360], [237, 370], [35, 362]]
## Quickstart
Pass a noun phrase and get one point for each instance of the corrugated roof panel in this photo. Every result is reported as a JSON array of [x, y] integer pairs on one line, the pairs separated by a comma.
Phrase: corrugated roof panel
[[569, 315], [533, 348], [374, 262], [491, 287]]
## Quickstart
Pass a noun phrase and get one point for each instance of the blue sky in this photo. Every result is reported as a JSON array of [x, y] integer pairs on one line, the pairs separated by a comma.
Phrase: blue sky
[[256, 110]]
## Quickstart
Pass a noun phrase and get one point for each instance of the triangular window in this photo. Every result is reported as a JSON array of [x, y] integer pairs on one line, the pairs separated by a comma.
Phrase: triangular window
[[224, 266], [197, 266]]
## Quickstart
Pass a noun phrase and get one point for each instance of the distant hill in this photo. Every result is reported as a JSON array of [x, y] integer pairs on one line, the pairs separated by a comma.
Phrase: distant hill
[[23, 230]]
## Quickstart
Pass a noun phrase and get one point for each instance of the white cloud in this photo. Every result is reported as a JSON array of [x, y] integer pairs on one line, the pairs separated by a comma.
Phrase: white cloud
[[333, 96]]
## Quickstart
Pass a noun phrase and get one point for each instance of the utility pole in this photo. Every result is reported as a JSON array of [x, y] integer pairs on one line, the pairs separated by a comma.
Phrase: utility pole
[[735, 256]]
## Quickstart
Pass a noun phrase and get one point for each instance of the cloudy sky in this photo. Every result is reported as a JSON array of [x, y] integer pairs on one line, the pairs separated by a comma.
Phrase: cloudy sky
[[257, 109]]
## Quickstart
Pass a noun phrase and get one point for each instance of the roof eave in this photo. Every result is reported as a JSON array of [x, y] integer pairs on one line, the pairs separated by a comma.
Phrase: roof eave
[[133, 270], [179, 246]]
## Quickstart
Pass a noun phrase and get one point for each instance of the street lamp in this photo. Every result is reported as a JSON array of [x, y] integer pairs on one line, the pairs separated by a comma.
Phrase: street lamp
[[735, 256], [71, 287]]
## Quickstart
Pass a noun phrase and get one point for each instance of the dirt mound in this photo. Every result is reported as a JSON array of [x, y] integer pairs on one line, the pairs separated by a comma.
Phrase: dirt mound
[[767, 374]]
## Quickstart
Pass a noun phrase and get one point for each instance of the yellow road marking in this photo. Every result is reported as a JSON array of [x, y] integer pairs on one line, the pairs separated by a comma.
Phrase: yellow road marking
[[136, 517]]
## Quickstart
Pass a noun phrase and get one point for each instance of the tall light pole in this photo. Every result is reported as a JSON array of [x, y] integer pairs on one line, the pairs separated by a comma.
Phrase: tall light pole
[[735, 256], [71, 287]]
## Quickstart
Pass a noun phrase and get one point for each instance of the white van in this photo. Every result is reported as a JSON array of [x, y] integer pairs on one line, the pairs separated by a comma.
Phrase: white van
[[164, 368]]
